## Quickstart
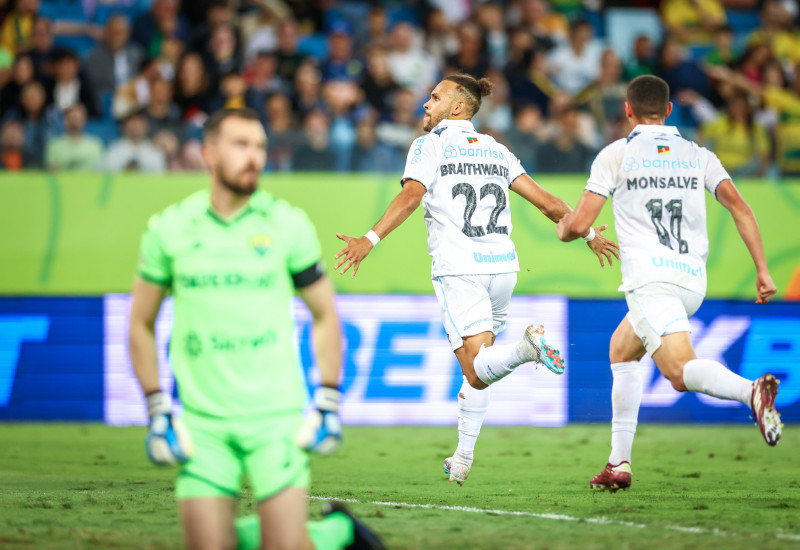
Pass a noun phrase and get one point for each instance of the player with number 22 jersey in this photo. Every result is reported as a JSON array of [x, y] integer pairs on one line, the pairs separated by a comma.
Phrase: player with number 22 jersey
[[463, 179]]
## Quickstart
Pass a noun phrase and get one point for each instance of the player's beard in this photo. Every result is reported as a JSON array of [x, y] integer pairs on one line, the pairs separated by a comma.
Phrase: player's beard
[[432, 121], [243, 190]]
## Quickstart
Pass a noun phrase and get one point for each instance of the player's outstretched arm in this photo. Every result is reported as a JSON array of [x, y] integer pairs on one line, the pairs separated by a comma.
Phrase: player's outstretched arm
[[579, 224], [398, 211], [728, 195], [322, 430]]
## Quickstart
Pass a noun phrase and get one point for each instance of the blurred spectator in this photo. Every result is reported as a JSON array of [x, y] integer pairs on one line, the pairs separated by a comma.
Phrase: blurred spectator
[[162, 113], [134, 151], [471, 57], [753, 61], [115, 60], [262, 80], [604, 98], [341, 99], [6, 62], [520, 46], [643, 60], [232, 93], [495, 112], [308, 90], [550, 29], [262, 38], [376, 33], [289, 59], [777, 32], [587, 131], [39, 122], [565, 153], [401, 128], [341, 64], [410, 65], [222, 57], [680, 72], [16, 31], [441, 39], [369, 155], [282, 138], [135, 94], [741, 144], [69, 87], [12, 154], [576, 64], [693, 22], [22, 72], [723, 52], [315, 153], [218, 14], [521, 138], [532, 85], [162, 22], [193, 90], [490, 19], [42, 46], [378, 85], [169, 145], [74, 150], [172, 51]]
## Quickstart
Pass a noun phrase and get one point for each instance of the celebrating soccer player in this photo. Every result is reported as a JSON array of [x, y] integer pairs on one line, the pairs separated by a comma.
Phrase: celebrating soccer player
[[232, 258], [658, 180], [463, 180]]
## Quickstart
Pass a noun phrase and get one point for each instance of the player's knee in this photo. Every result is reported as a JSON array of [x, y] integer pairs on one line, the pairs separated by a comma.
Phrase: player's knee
[[474, 381]]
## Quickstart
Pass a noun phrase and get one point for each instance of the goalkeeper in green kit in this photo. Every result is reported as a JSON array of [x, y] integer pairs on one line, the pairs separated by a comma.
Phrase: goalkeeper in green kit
[[232, 257]]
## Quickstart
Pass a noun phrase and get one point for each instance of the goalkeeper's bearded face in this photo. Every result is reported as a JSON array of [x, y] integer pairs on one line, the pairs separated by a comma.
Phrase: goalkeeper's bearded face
[[237, 155]]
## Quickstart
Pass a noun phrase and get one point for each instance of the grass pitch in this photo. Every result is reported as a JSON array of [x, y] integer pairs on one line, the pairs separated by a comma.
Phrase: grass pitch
[[91, 486]]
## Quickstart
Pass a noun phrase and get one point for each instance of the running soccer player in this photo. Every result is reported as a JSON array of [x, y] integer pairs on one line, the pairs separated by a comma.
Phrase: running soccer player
[[232, 258], [463, 180], [658, 180]]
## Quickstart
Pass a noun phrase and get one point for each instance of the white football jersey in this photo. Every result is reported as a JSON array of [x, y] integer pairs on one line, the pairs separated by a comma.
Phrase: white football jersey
[[658, 180], [467, 176]]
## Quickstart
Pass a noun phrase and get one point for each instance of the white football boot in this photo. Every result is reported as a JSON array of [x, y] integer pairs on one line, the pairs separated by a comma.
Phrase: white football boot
[[458, 468], [535, 348]]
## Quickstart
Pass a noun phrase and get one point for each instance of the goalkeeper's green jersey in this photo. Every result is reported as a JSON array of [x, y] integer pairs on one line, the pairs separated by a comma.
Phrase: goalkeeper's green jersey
[[232, 348]]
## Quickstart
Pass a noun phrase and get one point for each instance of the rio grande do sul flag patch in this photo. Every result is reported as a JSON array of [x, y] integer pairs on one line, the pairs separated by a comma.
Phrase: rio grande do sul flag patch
[[472, 140], [663, 149]]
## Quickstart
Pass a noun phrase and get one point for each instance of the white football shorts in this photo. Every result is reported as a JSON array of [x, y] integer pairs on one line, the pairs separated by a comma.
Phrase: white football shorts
[[656, 309], [472, 304]]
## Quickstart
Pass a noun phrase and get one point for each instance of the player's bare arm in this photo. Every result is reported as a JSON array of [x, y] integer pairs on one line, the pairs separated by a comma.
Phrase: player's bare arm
[[145, 303], [398, 211], [327, 333], [728, 195], [557, 210]]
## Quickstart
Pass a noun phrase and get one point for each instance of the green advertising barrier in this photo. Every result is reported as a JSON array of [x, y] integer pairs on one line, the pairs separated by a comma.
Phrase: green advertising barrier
[[79, 234]]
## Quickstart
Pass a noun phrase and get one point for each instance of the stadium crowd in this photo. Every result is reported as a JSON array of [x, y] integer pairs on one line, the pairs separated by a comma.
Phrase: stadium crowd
[[127, 84]]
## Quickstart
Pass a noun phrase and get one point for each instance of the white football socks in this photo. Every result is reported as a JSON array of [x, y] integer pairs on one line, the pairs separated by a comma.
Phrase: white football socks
[[494, 363], [472, 409], [712, 378], [626, 396]]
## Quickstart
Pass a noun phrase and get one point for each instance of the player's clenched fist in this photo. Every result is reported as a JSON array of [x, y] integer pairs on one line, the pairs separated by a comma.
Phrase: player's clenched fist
[[322, 430], [356, 250], [168, 441]]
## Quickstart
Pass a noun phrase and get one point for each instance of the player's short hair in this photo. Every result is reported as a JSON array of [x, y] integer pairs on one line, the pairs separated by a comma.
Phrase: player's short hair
[[471, 89], [213, 124], [648, 96]]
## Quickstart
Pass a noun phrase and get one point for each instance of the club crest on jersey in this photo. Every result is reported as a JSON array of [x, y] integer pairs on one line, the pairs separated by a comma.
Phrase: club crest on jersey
[[663, 149], [260, 243], [472, 140]]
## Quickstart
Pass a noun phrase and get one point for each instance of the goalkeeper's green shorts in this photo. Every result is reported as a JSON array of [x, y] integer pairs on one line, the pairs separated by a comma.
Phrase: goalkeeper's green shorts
[[224, 450]]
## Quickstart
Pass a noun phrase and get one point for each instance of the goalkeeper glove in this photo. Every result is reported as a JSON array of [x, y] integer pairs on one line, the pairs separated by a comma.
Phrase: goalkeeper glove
[[168, 441], [322, 430]]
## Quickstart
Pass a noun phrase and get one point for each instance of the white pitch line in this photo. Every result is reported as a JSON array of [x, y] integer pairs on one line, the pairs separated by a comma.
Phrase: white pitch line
[[561, 517]]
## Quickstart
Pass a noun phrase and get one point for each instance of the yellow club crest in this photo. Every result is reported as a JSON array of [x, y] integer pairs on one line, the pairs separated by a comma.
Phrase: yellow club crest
[[261, 243]]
